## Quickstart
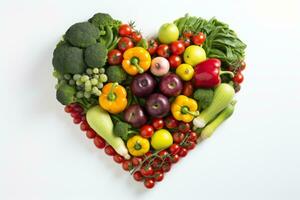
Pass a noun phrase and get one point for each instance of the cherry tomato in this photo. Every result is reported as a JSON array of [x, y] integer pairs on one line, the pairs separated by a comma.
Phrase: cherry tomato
[[152, 46], [158, 175], [175, 158], [118, 158], [178, 137], [171, 122], [115, 57], [174, 149], [163, 50], [158, 123], [149, 183], [238, 78], [174, 61], [146, 131], [91, 134], [148, 154], [183, 152], [136, 161], [84, 126], [193, 136], [187, 88], [156, 163], [136, 36], [187, 34], [124, 44], [99, 142], [109, 150], [125, 30], [186, 41], [163, 153], [184, 127], [199, 38], [68, 109], [147, 170], [127, 165], [138, 176], [166, 167], [177, 47], [190, 145], [243, 65]]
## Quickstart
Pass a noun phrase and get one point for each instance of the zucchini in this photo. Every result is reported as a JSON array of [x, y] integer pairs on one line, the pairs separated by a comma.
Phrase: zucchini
[[100, 121]]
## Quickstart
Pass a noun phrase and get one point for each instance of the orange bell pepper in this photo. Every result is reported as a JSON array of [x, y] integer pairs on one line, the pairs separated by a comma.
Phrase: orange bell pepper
[[136, 60]]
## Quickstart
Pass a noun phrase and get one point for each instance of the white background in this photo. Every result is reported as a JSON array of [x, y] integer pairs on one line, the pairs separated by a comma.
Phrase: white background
[[255, 155]]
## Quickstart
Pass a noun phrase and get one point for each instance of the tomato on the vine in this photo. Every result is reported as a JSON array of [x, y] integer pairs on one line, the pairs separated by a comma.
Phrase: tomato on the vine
[[156, 163], [146, 131], [183, 152], [138, 176], [238, 78], [136, 36], [127, 165], [186, 41], [174, 149], [175, 158], [149, 183], [158, 123], [166, 166], [124, 44], [152, 46], [243, 65], [190, 145], [163, 50], [163, 153], [177, 47], [158, 175], [199, 38], [125, 30], [146, 170], [171, 122], [114, 57], [178, 137], [187, 34], [174, 61], [136, 161], [192, 136], [184, 127]]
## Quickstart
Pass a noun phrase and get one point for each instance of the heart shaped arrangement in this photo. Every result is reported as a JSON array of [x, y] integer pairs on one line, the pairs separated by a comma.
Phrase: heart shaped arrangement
[[148, 102]]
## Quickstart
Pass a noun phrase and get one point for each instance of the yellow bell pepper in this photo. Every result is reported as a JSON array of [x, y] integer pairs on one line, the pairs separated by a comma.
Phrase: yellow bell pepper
[[138, 146], [184, 108], [136, 60], [113, 98]]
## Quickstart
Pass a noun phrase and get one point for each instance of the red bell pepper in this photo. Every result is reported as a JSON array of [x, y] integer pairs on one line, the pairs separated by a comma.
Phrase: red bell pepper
[[207, 73]]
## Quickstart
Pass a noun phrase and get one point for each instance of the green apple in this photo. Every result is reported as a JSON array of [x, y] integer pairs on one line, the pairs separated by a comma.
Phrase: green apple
[[161, 139], [168, 33], [194, 55]]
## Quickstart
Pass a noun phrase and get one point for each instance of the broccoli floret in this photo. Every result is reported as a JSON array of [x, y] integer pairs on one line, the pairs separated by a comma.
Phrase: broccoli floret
[[68, 59], [123, 130], [96, 55], [82, 34], [116, 73], [204, 97], [103, 19], [65, 94]]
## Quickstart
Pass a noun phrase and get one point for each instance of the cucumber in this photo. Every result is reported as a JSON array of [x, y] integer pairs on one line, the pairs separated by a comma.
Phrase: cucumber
[[100, 121]]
